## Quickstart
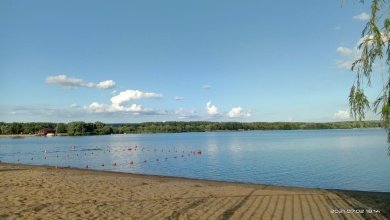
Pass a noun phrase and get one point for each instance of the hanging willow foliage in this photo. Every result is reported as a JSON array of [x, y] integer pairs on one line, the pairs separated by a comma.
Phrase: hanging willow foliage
[[374, 46]]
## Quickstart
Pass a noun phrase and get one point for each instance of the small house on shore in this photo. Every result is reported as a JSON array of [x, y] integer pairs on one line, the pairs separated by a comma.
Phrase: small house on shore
[[46, 132]]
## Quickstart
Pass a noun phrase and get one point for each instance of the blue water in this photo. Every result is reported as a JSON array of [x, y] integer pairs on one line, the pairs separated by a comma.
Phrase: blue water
[[335, 159]]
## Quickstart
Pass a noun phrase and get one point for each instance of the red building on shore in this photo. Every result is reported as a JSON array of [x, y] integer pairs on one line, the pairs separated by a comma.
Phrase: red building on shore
[[46, 131]]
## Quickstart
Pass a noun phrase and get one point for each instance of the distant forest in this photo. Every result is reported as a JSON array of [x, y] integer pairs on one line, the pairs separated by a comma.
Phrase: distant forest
[[79, 128]]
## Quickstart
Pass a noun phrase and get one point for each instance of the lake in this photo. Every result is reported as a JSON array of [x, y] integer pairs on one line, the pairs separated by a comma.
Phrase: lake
[[353, 159]]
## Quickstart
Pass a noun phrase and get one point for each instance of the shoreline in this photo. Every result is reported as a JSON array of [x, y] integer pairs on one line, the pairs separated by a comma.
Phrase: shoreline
[[17, 135], [94, 193], [162, 177], [157, 176]]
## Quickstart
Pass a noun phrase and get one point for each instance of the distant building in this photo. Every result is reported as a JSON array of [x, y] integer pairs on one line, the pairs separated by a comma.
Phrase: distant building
[[47, 131]]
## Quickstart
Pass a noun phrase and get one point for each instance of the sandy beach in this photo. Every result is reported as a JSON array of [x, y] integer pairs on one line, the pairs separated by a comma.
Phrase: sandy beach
[[39, 192]]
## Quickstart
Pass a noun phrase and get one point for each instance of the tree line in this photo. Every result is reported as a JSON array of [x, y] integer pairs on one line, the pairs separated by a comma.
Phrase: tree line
[[79, 128]]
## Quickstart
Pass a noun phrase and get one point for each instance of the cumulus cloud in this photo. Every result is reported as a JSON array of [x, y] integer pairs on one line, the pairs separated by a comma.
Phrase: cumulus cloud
[[118, 100], [237, 112], [135, 109], [132, 95], [211, 109], [362, 16], [108, 84], [342, 114], [63, 80], [353, 54], [344, 51], [70, 82]]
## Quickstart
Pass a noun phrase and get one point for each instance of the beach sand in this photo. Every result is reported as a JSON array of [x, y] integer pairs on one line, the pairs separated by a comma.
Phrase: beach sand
[[38, 192]]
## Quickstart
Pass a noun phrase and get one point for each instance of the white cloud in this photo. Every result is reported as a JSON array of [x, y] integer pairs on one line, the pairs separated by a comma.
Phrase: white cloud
[[355, 53], [346, 64], [211, 109], [108, 84], [118, 100], [133, 94], [369, 39], [63, 80], [96, 107], [362, 16], [186, 114], [341, 114], [237, 112], [178, 98], [69, 82], [344, 51]]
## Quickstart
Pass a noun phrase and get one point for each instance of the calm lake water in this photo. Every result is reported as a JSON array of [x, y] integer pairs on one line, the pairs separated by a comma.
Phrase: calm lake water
[[336, 159]]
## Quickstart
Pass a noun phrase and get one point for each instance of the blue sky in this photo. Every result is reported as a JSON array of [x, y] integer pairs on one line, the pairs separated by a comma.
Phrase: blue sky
[[135, 61]]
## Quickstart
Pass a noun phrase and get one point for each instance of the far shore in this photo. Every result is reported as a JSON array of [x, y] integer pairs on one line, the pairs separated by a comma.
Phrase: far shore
[[65, 134], [30, 191], [17, 135], [26, 135]]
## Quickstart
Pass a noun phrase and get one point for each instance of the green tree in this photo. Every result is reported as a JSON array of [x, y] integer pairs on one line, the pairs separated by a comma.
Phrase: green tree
[[76, 128], [61, 128], [106, 130], [374, 46]]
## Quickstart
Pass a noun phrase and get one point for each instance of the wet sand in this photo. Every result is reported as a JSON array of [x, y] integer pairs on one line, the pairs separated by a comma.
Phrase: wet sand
[[39, 192]]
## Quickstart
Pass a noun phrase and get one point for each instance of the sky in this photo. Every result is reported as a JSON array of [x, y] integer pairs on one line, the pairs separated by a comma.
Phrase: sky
[[175, 60]]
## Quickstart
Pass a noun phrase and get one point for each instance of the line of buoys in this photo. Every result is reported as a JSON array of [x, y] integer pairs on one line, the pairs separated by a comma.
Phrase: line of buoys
[[165, 157]]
